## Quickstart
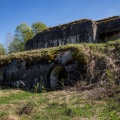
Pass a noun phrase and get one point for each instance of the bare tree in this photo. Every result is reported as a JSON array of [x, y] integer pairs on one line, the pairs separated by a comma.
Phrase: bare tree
[[8, 39]]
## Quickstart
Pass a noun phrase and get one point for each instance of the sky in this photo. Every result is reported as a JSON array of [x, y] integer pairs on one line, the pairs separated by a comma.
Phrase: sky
[[52, 12]]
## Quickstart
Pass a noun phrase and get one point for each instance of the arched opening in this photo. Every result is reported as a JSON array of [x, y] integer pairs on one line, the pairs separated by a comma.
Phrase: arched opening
[[57, 77]]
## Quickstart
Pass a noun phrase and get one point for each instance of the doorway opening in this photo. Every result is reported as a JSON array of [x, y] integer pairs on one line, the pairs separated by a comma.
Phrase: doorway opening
[[57, 77]]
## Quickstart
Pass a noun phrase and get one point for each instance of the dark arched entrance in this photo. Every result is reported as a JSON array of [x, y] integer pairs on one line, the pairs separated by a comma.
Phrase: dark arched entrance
[[57, 77]]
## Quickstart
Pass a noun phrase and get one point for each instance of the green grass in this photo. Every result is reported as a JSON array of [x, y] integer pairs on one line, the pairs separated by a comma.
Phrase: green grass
[[56, 105], [11, 97], [3, 113], [110, 111]]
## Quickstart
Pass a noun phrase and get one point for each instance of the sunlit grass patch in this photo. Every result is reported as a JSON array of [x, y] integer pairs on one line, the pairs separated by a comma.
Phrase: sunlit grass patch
[[56, 105]]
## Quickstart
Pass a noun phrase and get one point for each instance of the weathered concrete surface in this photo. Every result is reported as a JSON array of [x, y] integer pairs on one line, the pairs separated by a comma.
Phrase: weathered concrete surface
[[109, 29], [63, 71], [74, 32], [84, 30]]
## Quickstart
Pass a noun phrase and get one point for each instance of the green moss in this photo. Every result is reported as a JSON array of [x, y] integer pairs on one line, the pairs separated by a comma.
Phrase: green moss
[[106, 20]]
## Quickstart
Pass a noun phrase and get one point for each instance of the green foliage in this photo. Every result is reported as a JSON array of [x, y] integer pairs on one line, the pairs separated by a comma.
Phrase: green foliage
[[16, 46], [109, 74], [38, 27], [37, 87], [3, 113], [61, 82], [2, 49], [23, 33]]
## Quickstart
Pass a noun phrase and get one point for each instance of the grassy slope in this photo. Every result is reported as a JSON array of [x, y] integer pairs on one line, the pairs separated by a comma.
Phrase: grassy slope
[[60, 105], [57, 105]]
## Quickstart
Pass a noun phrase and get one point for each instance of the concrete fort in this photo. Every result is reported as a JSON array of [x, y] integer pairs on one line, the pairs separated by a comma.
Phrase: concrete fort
[[61, 67], [85, 30]]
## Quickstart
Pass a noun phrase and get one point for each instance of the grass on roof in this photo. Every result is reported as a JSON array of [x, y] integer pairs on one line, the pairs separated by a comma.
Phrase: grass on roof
[[79, 50]]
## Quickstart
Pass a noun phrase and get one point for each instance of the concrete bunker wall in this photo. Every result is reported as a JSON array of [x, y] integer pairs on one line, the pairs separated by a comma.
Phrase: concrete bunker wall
[[1, 76], [84, 31], [109, 29], [77, 32], [107, 36], [49, 74]]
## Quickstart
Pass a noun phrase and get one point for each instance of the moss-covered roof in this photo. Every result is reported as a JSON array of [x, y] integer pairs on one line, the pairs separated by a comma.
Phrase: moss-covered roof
[[66, 25], [108, 19], [81, 21], [49, 54]]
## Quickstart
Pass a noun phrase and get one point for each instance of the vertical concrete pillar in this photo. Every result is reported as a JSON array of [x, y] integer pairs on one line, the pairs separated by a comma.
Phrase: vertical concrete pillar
[[94, 32], [77, 37], [75, 40], [59, 42], [90, 40]]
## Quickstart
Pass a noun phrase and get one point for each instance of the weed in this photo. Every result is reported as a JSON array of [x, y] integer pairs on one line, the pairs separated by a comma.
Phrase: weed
[[69, 112], [3, 113], [26, 109], [37, 87], [109, 75]]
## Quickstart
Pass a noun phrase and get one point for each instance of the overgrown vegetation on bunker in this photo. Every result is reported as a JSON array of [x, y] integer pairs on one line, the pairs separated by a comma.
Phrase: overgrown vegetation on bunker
[[102, 61], [48, 54], [81, 52]]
